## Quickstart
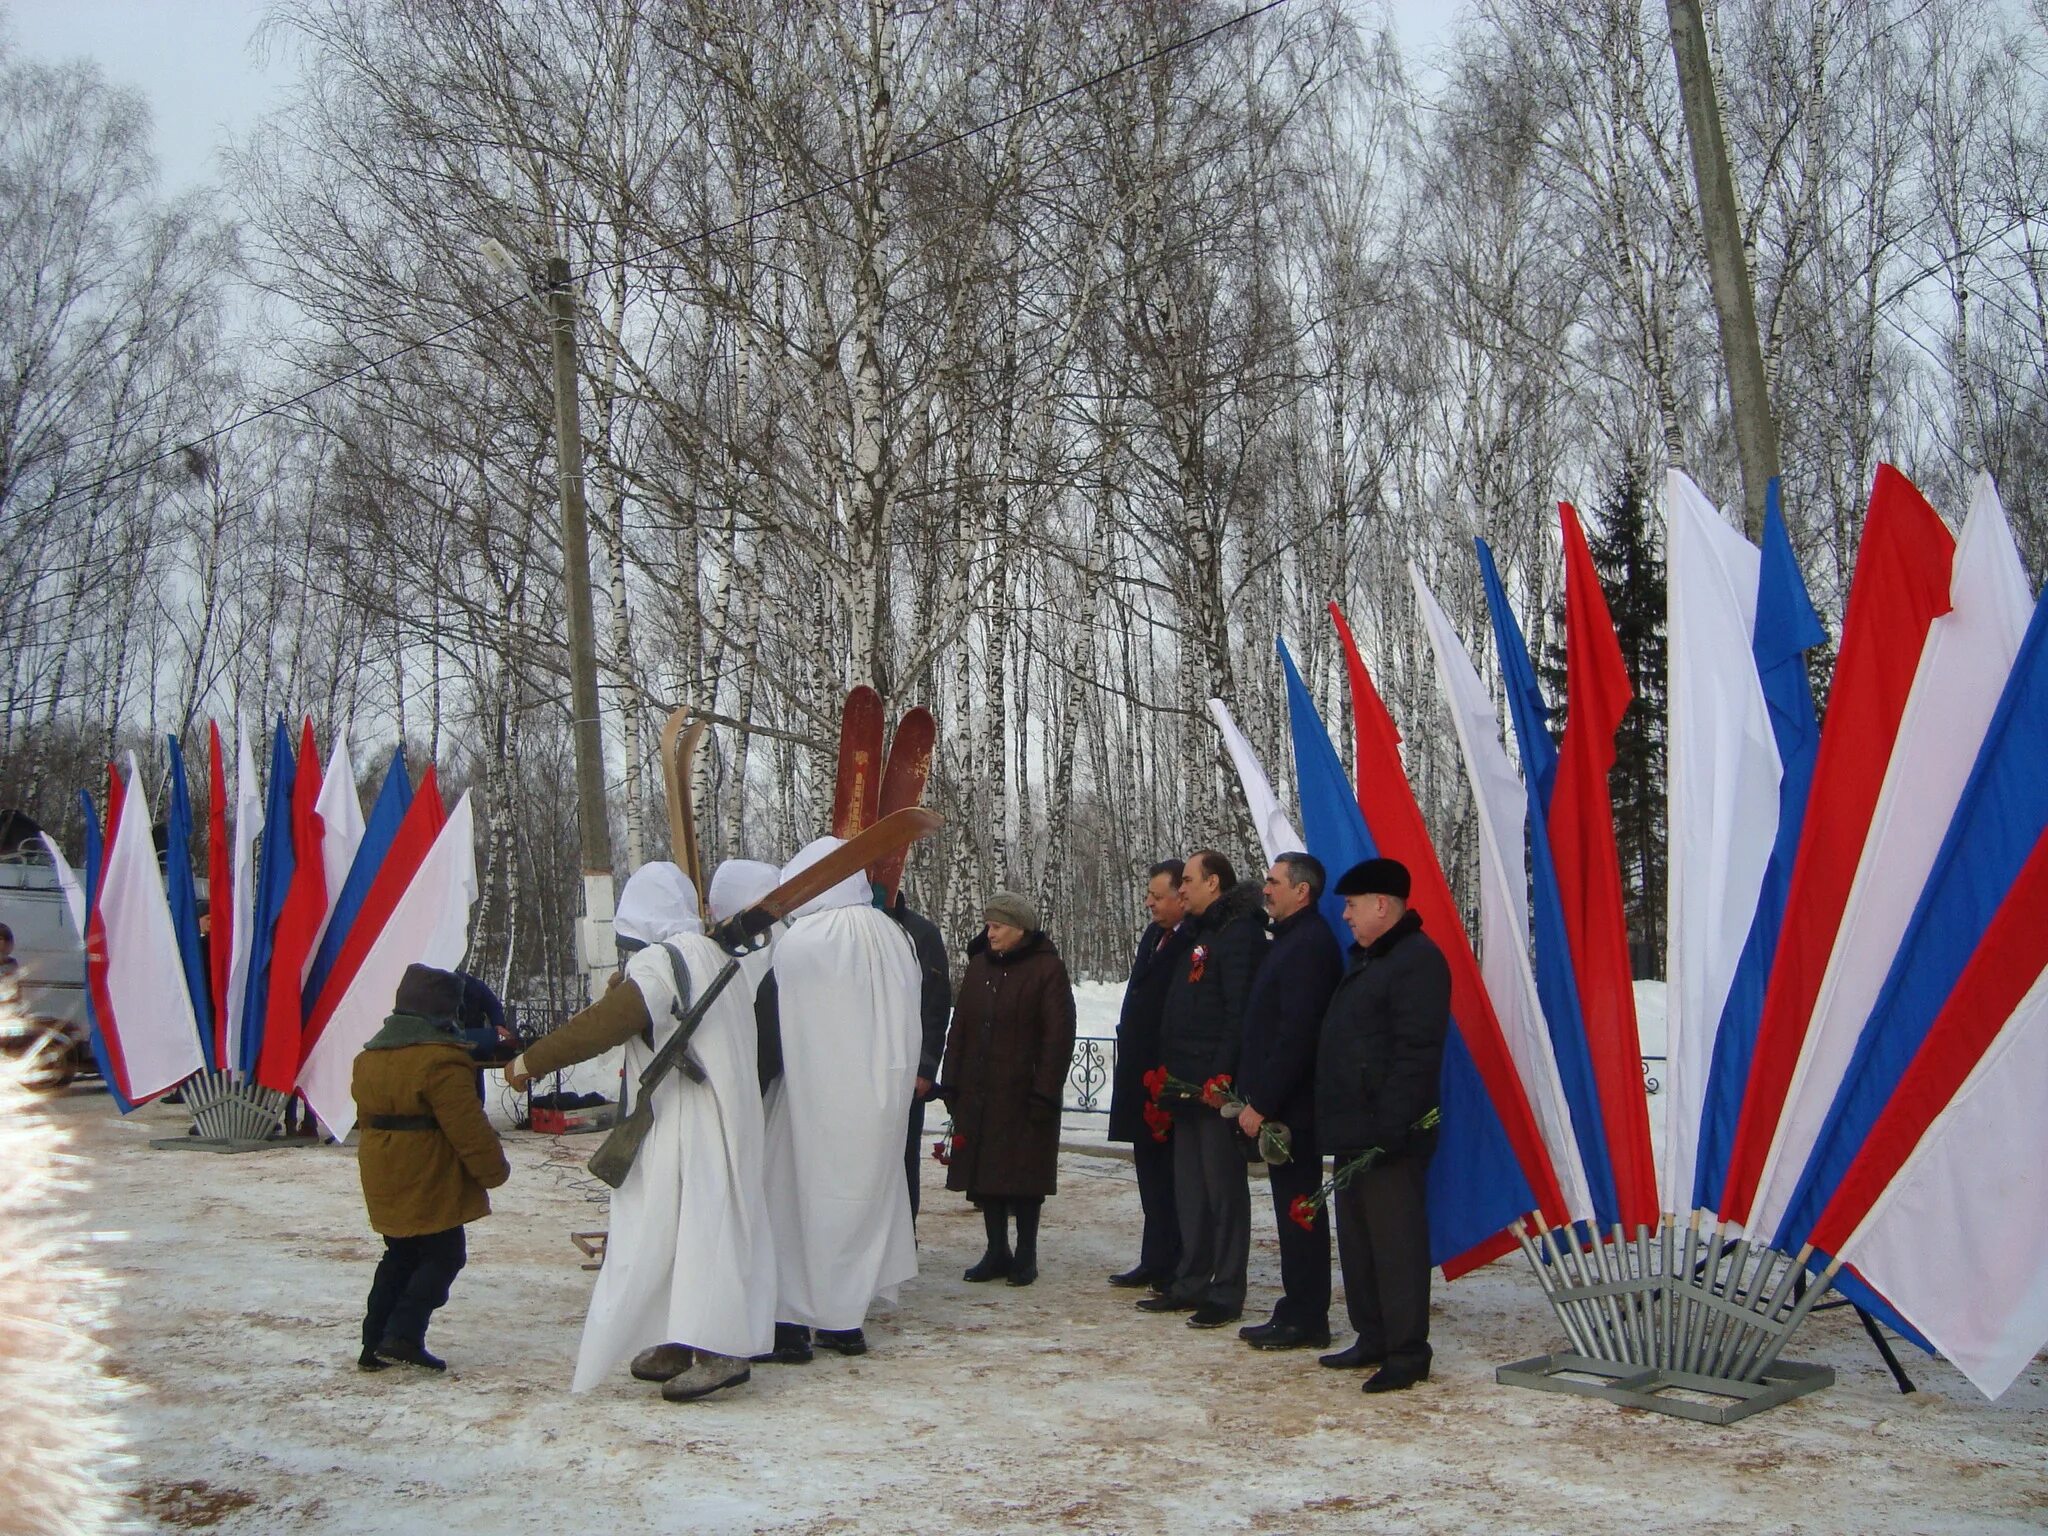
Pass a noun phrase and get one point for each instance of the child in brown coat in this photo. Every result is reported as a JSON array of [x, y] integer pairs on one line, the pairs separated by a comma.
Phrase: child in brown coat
[[428, 1154]]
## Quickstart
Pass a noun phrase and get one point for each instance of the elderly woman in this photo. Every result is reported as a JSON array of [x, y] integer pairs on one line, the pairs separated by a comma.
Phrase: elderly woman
[[1005, 1069]]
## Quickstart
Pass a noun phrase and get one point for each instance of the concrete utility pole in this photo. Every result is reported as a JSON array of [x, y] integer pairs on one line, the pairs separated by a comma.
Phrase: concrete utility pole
[[1756, 429], [596, 949]]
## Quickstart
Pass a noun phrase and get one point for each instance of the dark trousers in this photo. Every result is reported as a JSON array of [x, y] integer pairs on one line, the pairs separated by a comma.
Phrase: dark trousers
[[412, 1280], [913, 1152], [1383, 1246], [1213, 1195], [1304, 1253], [1159, 1249]]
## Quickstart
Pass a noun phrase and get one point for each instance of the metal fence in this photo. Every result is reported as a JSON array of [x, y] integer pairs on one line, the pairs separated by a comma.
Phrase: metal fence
[[1093, 1069]]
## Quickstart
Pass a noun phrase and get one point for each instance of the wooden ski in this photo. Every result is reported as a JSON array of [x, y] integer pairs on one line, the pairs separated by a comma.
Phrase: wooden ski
[[857, 796], [680, 738], [903, 781]]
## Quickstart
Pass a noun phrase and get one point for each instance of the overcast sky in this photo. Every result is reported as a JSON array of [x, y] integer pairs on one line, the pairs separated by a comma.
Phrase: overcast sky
[[196, 62]]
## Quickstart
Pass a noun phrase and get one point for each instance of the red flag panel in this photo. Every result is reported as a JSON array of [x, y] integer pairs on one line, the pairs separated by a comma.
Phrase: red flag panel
[[220, 903], [1900, 588], [409, 849], [2003, 970], [1399, 830], [1597, 694], [305, 904]]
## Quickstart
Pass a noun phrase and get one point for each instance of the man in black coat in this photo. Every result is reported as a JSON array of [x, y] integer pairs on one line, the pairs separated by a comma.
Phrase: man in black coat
[[1377, 1067], [1160, 947], [1276, 1079], [934, 1012], [1202, 1028]]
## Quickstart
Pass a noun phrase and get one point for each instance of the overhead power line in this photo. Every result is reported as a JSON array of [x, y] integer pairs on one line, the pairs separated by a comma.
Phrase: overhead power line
[[644, 258]]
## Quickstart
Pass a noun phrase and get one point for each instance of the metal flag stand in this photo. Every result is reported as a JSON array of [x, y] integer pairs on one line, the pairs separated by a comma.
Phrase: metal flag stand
[[1677, 1323], [229, 1114]]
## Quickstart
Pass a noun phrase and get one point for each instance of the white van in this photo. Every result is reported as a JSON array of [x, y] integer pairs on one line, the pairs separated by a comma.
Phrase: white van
[[49, 972]]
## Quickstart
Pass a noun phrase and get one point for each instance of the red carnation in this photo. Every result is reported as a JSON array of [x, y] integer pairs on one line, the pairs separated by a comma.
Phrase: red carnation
[[1158, 1121], [1197, 961], [1155, 1083], [1216, 1090], [1302, 1212]]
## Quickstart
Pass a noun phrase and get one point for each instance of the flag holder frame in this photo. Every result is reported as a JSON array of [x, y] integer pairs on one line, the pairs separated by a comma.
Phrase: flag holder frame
[[1632, 1387], [229, 1114], [1670, 1313]]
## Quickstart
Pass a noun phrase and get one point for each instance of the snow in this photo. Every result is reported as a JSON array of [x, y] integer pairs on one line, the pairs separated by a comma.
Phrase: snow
[[979, 1408]]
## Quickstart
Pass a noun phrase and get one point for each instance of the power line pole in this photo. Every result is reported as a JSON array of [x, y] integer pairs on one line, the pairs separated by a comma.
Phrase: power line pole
[[1756, 429], [596, 949]]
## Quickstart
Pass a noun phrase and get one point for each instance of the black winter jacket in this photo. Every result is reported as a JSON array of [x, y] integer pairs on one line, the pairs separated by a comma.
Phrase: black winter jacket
[[1382, 1047], [1283, 1020], [1137, 1027], [935, 992], [1204, 1017]]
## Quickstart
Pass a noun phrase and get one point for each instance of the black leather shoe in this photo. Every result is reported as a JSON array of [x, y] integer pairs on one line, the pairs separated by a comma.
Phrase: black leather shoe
[[1024, 1274], [1355, 1358], [843, 1341], [1166, 1302], [1251, 1333], [1131, 1279], [1161, 1283], [792, 1346], [1387, 1379], [368, 1361], [1287, 1336], [405, 1352], [993, 1266], [1210, 1316]]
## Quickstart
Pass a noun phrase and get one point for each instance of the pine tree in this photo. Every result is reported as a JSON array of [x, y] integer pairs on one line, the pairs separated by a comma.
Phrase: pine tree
[[1629, 557]]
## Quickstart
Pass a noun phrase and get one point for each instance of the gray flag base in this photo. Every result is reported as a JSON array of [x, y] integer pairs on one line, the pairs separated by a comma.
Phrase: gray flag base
[[230, 1114], [1679, 1323]]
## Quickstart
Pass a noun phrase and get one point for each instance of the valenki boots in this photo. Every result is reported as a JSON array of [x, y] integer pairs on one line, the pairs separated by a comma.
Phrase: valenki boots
[[1024, 1268], [996, 1262]]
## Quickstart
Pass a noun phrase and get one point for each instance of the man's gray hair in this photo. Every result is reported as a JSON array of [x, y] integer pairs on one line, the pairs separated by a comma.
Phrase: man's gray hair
[[1306, 869]]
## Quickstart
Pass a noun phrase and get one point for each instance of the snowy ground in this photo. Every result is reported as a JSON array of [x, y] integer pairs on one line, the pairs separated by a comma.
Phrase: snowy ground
[[980, 1408]]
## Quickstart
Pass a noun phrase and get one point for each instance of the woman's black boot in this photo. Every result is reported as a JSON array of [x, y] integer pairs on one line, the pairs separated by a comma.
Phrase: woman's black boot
[[1024, 1269], [995, 1263]]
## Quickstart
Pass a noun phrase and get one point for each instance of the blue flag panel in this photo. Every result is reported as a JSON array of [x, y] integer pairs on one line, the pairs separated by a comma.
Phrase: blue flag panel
[[275, 862], [1557, 984], [1476, 1185], [183, 893], [94, 859], [379, 832], [2002, 814], [1786, 629]]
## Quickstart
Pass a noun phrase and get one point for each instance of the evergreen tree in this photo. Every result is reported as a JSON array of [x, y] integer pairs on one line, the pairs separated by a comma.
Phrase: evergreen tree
[[1628, 553]]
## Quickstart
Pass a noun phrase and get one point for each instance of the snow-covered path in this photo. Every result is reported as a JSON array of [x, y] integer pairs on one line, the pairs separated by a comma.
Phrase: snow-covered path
[[980, 1408]]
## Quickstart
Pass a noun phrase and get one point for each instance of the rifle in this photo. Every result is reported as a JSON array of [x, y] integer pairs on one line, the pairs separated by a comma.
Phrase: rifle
[[738, 936]]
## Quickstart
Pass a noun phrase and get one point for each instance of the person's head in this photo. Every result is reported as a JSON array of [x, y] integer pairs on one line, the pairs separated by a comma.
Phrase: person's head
[[429, 993], [1204, 879], [1162, 893], [1375, 897], [659, 902], [1295, 881], [1011, 919]]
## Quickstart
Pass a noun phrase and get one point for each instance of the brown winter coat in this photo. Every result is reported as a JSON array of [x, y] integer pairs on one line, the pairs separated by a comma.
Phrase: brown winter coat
[[420, 1181], [1005, 1072]]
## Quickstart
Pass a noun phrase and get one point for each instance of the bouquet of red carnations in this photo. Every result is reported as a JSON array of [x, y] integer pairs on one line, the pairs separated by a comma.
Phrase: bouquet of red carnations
[[944, 1148], [1276, 1142], [1303, 1208]]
